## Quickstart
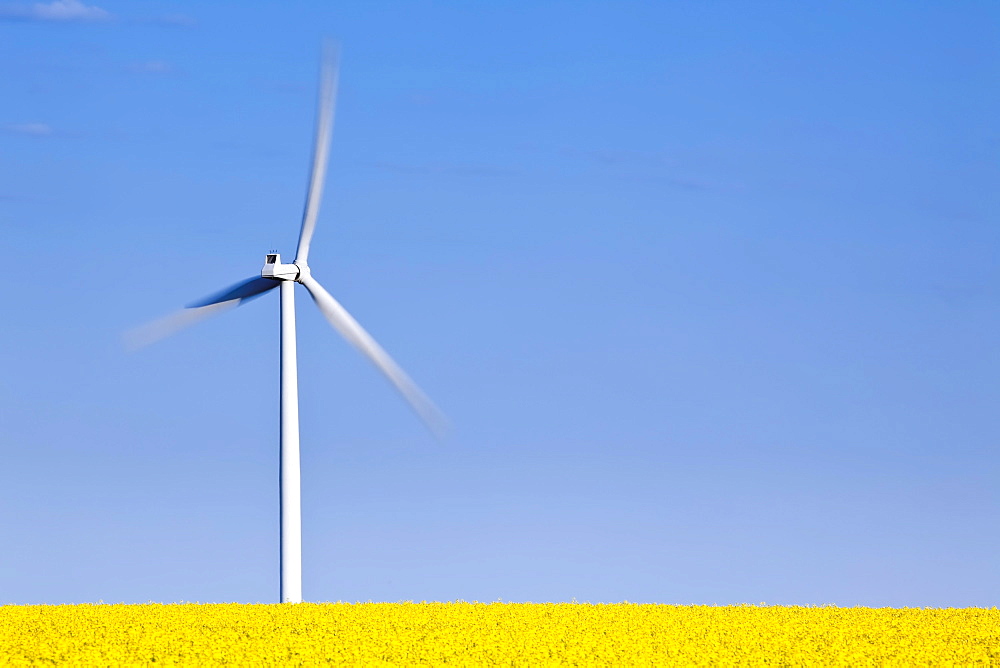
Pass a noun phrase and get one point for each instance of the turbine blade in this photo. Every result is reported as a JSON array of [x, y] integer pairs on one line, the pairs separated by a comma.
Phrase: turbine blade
[[223, 301], [349, 328], [248, 289], [321, 149]]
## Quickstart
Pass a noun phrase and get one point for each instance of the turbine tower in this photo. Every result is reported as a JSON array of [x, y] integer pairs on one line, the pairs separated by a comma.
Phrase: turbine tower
[[276, 274]]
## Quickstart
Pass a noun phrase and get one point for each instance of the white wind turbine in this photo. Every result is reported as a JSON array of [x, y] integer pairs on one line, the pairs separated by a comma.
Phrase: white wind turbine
[[275, 274]]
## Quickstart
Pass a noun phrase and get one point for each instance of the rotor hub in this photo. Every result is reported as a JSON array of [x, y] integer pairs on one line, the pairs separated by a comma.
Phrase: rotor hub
[[304, 271]]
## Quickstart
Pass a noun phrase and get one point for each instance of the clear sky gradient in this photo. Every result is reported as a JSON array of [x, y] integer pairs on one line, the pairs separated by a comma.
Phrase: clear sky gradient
[[709, 291]]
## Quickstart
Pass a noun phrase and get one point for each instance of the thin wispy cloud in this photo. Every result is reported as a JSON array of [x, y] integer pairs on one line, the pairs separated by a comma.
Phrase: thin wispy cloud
[[30, 129], [449, 168], [176, 21], [151, 67], [635, 166], [296, 87], [60, 11], [615, 157], [680, 183]]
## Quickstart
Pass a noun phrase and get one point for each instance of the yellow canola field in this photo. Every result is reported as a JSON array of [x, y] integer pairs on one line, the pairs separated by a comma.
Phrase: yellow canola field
[[507, 634]]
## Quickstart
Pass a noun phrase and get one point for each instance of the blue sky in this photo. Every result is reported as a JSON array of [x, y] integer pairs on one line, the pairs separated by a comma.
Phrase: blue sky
[[708, 290]]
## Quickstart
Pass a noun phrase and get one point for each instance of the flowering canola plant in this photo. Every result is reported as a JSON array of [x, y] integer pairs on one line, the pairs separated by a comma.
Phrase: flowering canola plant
[[508, 634]]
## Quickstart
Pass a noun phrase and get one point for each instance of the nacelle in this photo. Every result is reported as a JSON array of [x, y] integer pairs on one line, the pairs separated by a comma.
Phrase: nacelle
[[273, 268]]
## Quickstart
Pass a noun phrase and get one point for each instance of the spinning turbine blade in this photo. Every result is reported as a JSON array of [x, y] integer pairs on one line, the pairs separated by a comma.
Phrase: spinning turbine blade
[[321, 150], [248, 289], [198, 311], [349, 328]]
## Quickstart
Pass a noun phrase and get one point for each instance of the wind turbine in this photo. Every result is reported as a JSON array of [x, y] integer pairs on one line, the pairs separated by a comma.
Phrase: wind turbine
[[276, 274]]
